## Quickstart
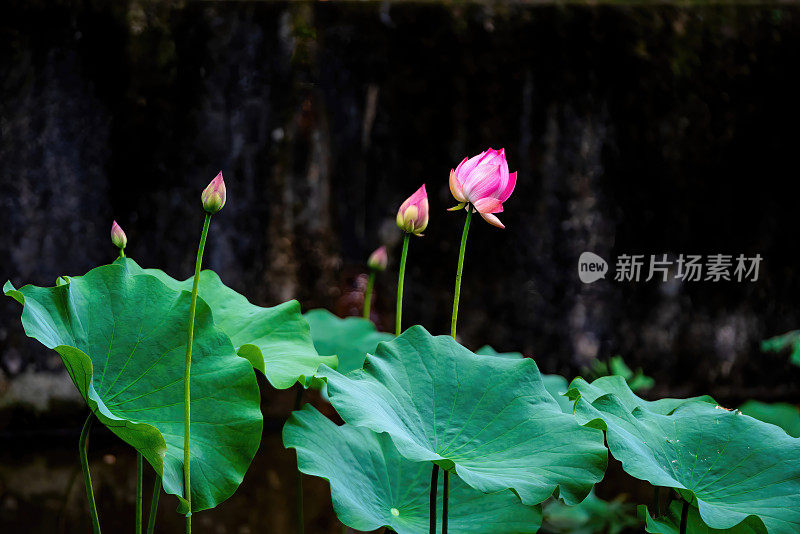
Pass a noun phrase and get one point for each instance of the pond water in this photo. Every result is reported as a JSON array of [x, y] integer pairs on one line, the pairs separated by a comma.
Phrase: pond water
[[41, 487]]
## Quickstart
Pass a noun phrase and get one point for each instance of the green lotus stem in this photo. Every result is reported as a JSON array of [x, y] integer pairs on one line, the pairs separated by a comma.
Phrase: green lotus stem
[[457, 295], [399, 315], [434, 490], [298, 401], [139, 476], [151, 521], [298, 397], [368, 293], [453, 324], [445, 500], [83, 448], [187, 396], [684, 516]]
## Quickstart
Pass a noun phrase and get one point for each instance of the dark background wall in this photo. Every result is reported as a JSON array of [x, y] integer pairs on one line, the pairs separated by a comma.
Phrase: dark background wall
[[638, 130], [634, 130]]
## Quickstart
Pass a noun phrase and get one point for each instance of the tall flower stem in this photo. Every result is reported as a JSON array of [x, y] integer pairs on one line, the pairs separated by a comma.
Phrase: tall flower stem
[[368, 293], [151, 521], [684, 516], [453, 324], [298, 401], [434, 490], [445, 501], [83, 448], [398, 321], [139, 477], [187, 396], [457, 296]]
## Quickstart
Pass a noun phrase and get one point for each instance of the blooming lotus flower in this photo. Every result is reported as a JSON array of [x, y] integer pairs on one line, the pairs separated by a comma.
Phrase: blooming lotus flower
[[118, 237], [412, 217], [484, 182], [213, 196], [378, 260]]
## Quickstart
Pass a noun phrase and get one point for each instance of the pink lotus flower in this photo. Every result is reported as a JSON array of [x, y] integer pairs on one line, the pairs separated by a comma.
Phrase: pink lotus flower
[[412, 217], [484, 182], [118, 237], [213, 195], [378, 260]]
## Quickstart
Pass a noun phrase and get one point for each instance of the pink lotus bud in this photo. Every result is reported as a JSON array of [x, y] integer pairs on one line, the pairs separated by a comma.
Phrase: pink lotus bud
[[412, 217], [378, 260], [213, 196], [484, 182], [118, 237]]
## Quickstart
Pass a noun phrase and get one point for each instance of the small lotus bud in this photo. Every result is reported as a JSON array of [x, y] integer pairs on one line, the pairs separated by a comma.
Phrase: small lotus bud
[[412, 217], [378, 260], [118, 237], [213, 196]]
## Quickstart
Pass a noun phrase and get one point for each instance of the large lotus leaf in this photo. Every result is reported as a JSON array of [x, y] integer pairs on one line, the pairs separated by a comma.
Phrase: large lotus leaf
[[350, 338], [670, 523], [556, 385], [733, 465], [123, 340], [617, 386], [784, 415], [373, 485], [276, 341], [489, 419]]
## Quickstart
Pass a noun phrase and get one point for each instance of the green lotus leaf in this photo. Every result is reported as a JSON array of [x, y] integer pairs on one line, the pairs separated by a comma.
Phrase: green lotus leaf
[[789, 340], [617, 386], [784, 415], [487, 350], [616, 366], [373, 485], [637, 380], [123, 340], [670, 523], [276, 341], [489, 419], [731, 465], [556, 385], [350, 338]]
